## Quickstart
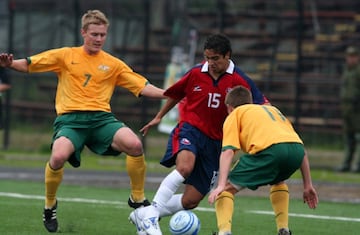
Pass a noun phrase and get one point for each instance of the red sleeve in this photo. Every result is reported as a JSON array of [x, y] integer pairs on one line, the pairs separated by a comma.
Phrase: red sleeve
[[178, 90]]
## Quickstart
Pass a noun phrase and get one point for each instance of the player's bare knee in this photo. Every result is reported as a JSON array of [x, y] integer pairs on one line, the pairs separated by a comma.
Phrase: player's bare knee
[[57, 161], [189, 204], [135, 149], [131, 146], [191, 198], [184, 170]]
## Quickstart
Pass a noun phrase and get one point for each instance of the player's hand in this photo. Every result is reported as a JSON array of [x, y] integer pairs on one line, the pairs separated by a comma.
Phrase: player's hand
[[6, 59], [213, 195], [310, 197], [146, 128]]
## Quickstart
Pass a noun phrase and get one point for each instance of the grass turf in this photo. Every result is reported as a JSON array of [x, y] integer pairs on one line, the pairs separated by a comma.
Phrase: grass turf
[[101, 210]]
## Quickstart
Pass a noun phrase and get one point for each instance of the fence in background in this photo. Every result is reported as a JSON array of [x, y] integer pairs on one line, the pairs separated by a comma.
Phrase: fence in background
[[292, 49]]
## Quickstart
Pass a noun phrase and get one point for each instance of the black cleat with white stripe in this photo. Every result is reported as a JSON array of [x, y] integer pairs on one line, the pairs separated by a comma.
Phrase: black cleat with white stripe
[[50, 220]]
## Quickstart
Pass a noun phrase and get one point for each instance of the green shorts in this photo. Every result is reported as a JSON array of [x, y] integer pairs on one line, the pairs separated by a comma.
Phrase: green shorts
[[270, 166], [92, 129]]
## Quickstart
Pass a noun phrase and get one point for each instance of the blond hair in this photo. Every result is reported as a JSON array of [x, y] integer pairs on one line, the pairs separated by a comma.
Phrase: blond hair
[[93, 17]]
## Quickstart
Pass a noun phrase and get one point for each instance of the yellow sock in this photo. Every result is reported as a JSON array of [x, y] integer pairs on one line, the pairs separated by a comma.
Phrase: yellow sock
[[53, 179], [279, 197], [136, 169], [224, 206]]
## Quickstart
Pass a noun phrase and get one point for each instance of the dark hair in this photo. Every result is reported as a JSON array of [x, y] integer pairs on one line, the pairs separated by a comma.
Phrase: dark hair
[[219, 43], [238, 95]]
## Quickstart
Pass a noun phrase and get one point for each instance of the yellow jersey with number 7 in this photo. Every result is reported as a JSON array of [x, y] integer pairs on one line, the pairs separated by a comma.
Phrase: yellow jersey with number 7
[[252, 128], [85, 82]]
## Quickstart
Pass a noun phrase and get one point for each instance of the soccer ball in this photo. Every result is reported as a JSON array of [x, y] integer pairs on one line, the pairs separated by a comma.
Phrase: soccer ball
[[184, 223]]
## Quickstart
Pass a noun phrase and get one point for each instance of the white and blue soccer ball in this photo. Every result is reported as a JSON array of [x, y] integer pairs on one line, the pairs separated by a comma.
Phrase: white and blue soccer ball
[[184, 222]]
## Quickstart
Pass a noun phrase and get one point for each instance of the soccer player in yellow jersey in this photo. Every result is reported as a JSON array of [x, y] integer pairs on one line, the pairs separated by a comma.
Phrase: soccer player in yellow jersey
[[87, 77], [273, 151]]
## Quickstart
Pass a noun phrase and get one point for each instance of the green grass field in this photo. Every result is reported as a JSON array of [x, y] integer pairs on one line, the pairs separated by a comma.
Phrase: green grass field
[[99, 210], [85, 210]]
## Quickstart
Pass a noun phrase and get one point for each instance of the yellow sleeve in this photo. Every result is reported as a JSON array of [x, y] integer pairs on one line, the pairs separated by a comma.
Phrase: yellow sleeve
[[130, 80], [231, 132], [47, 61]]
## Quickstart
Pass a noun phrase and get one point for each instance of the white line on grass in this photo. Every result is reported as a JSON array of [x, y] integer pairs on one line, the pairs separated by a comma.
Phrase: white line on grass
[[84, 200], [26, 196], [324, 217]]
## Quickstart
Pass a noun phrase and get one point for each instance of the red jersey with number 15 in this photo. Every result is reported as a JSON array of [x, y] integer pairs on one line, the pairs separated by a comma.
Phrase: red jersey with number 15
[[204, 106]]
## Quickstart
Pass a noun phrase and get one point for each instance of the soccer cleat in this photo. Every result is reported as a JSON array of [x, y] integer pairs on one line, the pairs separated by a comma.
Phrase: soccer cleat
[[134, 219], [221, 233], [50, 220], [136, 205], [151, 226], [284, 231], [150, 220]]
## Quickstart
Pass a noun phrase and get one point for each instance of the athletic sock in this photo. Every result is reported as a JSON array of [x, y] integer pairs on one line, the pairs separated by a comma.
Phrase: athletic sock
[[279, 197], [168, 188], [136, 169], [53, 179], [172, 206], [224, 207]]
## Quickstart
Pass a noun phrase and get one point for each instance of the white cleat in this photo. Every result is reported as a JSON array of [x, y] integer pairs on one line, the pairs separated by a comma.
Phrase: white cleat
[[150, 220], [135, 219]]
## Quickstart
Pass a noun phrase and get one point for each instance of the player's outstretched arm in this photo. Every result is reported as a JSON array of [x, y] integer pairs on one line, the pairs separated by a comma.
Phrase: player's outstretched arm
[[170, 103], [7, 61], [153, 92], [309, 195]]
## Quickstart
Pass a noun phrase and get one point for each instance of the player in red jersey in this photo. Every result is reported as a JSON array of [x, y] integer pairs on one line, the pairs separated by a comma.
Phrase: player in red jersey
[[195, 143]]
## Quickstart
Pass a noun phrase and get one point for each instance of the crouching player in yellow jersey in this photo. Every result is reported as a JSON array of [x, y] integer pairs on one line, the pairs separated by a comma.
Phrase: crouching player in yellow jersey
[[272, 153], [87, 77]]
